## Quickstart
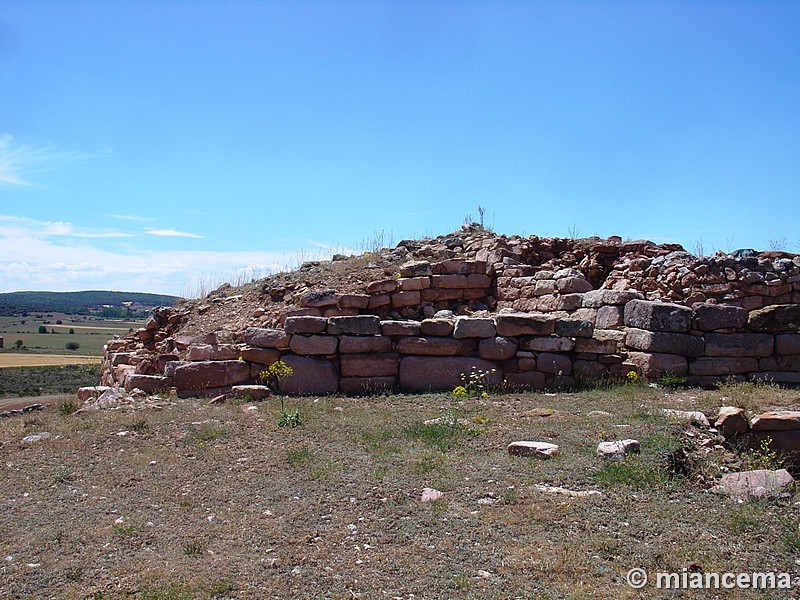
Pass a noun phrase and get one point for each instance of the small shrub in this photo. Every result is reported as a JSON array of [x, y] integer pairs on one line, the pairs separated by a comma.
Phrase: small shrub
[[671, 381], [441, 435], [632, 471], [763, 457], [297, 457], [274, 375], [69, 407], [289, 418], [72, 345], [193, 548], [42, 329], [475, 383]]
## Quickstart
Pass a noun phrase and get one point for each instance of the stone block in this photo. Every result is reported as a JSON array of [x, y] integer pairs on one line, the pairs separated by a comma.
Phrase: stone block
[[787, 343], [557, 302], [781, 377], [439, 295], [739, 344], [412, 284], [546, 344], [574, 328], [722, 365], [355, 344], [435, 346], [595, 346], [423, 373], [780, 363], [400, 328], [449, 281], [299, 312], [359, 301], [379, 301], [547, 362], [210, 374], [405, 299], [209, 352], [384, 286], [253, 393], [608, 317], [658, 316], [776, 420], [305, 324], [439, 327], [731, 421], [542, 287], [598, 298], [477, 280], [573, 285], [588, 369], [370, 365], [514, 325], [310, 376], [778, 318], [358, 325], [669, 343], [474, 327], [319, 299], [266, 338], [261, 356], [655, 364], [709, 317], [149, 384], [309, 345], [497, 348], [418, 268]]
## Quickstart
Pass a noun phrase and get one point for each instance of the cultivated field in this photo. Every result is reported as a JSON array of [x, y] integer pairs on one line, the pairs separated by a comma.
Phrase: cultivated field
[[19, 359], [90, 333], [217, 501]]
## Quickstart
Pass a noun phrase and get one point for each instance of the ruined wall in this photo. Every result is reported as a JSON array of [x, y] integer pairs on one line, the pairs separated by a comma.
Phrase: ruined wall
[[534, 312], [364, 354]]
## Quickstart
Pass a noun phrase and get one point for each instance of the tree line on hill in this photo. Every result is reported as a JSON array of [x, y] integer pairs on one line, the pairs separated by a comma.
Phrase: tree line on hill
[[101, 303]]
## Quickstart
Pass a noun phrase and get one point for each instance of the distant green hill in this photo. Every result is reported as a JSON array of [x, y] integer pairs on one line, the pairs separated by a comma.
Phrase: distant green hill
[[110, 304]]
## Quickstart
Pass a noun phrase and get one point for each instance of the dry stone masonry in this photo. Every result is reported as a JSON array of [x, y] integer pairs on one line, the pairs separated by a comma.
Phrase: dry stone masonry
[[530, 313]]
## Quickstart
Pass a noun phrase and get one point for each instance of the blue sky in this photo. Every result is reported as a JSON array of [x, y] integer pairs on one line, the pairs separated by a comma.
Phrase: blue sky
[[167, 146]]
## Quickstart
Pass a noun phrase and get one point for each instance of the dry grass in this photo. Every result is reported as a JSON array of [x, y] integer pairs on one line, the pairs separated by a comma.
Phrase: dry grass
[[8, 359], [202, 501]]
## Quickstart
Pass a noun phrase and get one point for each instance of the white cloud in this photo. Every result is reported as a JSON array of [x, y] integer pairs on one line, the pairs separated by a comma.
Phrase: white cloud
[[172, 233], [40, 255], [14, 226], [19, 161]]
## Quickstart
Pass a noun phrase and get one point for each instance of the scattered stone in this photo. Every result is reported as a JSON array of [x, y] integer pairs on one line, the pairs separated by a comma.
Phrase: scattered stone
[[549, 489], [21, 411], [35, 438], [430, 495], [777, 420], [537, 449], [253, 392], [598, 413], [731, 421], [618, 449], [694, 417], [762, 483]]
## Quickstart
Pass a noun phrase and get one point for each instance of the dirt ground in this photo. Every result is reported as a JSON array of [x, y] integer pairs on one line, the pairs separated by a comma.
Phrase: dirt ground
[[218, 501]]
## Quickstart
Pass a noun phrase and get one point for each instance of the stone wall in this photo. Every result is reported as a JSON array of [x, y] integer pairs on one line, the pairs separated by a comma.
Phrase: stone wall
[[608, 333]]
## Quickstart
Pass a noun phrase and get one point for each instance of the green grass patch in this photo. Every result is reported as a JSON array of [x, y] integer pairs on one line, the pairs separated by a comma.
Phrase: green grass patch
[[36, 381]]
